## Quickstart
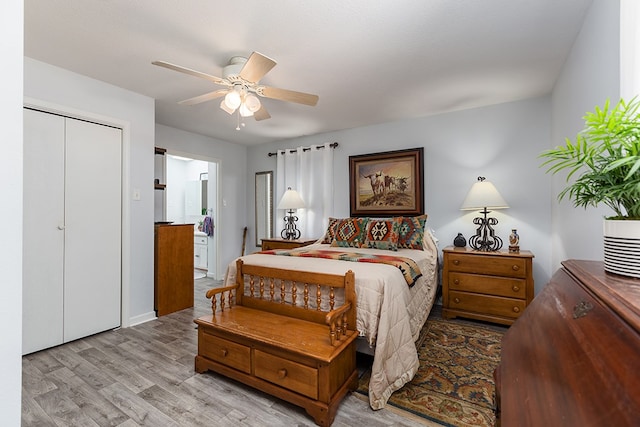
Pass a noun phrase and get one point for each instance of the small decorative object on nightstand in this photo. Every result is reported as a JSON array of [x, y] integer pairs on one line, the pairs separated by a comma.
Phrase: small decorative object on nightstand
[[491, 286], [459, 241], [514, 241], [276, 243]]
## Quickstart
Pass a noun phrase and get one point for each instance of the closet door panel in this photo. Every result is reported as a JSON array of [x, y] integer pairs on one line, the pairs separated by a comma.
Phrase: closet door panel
[[92, 285], [43, 231]]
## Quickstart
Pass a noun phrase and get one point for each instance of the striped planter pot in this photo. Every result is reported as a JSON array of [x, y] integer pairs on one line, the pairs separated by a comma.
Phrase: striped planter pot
[[622, 247]]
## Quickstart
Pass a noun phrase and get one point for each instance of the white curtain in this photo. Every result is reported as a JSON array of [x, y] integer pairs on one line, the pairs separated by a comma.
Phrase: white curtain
[[309, 171]]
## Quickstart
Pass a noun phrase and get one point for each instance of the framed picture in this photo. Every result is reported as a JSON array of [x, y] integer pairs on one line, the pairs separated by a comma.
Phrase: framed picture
[[387, 184]]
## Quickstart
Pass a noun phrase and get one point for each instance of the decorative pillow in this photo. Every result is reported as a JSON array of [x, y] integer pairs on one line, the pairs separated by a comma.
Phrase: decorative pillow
[[349, 232], [382, 233], [411, 232], [330, 234]]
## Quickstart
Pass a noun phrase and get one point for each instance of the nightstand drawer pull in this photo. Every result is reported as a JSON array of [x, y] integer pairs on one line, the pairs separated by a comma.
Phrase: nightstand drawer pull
[[282, 373], [456, 300], [515, 288], [515, 268], [516, 309], [224, 352], [456, 262], [456, 281]]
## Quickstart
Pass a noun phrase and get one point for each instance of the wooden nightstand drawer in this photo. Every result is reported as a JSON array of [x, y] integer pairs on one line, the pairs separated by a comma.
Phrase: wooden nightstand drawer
[[285, 373], [492, 305], [491, 285], [227, 352], [484, 264]]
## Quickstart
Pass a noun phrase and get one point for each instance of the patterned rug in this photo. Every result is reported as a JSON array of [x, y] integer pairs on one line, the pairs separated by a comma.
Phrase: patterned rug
[[454, 384]]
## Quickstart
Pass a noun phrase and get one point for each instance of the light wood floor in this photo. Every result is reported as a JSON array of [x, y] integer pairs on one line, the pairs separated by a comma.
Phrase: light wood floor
[[143, 376]]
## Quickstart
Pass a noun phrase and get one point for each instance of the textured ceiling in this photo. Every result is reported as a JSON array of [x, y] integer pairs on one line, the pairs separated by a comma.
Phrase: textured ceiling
[[369, 61]]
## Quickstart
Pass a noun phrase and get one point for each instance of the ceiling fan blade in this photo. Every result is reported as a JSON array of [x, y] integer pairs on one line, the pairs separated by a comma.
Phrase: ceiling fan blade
[[287, 95], [256, 67], [261, 114], [189, 71], [206, 97]]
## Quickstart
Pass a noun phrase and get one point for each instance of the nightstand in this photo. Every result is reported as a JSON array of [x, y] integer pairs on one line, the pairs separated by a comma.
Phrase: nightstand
[[278, 243], [490, 286]]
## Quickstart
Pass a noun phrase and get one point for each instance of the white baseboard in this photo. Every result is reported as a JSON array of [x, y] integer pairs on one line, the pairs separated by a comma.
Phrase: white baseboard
[[142, 318]]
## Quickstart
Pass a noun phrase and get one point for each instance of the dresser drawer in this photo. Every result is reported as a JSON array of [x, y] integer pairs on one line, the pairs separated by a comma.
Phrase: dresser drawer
[[227, 352], [491, 285], [486, 264], [285, 373], [492, 305]]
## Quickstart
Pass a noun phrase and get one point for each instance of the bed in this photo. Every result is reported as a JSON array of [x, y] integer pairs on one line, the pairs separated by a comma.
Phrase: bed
[[390, 310]]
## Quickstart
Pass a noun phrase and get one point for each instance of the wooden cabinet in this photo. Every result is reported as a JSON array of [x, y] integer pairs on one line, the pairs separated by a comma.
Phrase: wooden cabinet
[[173, 270], [489, 286], [277, 243], [572, 358]]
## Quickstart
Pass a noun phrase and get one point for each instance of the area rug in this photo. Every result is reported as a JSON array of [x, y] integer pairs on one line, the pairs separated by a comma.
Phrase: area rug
[[454, 384]]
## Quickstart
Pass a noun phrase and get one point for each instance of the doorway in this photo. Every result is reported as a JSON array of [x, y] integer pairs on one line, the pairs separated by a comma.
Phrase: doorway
[[191, 197]]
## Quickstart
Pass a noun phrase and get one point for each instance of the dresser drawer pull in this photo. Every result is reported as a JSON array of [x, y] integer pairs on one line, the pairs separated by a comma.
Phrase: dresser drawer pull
[[456, 262], [516, 309], [282, 373], [581, 309], [515, 268], [224, 352], [515, 288], [456, 300]]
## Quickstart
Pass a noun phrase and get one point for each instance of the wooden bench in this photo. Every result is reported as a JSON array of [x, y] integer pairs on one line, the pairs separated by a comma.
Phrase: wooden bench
[[286, 335]]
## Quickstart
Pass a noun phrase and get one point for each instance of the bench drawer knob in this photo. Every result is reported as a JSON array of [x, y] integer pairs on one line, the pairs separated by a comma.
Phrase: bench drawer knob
[[282, 373]]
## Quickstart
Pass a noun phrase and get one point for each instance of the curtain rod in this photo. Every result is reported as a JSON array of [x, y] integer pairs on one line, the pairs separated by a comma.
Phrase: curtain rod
[[332, 145]]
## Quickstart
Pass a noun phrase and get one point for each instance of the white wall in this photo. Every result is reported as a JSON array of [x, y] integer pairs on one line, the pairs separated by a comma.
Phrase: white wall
[[500, 142], [231, 159], [55, 85], [11, 18], [590, 75]]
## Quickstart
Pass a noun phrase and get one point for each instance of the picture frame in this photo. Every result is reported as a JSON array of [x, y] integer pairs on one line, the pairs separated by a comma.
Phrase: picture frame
[[387, 183]]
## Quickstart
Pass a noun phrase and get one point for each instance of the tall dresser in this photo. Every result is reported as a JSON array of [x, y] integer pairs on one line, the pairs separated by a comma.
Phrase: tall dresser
[[573, 357], [173, 278]]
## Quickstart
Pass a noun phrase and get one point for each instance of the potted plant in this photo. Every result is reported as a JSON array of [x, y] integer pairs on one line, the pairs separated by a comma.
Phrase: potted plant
[[605, 161]]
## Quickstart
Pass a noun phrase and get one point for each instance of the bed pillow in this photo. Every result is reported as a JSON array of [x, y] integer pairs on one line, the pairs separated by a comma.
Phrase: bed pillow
[[382, 233], [411, 232], [330, 234], [349, 232]]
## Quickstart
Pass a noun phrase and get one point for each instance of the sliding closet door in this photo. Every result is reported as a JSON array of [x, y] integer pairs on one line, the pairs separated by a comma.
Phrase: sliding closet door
[[43, 231], [93, 213]]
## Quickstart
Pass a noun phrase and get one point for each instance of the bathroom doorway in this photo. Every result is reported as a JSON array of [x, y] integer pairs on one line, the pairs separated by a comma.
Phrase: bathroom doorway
[[191, 197]]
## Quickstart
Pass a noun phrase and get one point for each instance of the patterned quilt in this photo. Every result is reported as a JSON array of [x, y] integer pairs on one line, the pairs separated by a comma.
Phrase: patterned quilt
[[407, 266]]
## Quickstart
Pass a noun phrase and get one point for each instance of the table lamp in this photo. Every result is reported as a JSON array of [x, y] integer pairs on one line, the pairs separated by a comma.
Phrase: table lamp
[[290, 201], [482, 196]]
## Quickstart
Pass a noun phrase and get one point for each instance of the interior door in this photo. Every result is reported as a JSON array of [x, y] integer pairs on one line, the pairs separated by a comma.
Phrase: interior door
[[43, 231], [93, 216]]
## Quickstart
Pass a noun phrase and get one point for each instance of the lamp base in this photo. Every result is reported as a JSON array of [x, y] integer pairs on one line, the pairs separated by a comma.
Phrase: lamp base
[[290, 231], [485, 238]]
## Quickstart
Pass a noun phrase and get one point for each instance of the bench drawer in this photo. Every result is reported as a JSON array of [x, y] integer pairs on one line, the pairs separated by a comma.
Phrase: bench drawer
[[285, 373], [227, 352]]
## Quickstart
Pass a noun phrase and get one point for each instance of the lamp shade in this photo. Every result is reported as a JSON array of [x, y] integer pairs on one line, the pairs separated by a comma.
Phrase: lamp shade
[[291, 200], [483, 194]]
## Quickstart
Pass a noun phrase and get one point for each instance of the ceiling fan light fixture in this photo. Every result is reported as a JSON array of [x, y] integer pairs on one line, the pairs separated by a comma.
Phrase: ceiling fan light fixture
[[252, 102], [224, 106], [232, 100], [245, 111]]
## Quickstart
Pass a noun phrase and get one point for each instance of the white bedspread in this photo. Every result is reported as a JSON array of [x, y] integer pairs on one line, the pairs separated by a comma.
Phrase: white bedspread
[[389, 313]]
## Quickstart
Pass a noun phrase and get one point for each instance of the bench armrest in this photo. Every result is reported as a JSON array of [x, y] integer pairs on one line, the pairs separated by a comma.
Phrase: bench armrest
[[221, 292], [337, 321]]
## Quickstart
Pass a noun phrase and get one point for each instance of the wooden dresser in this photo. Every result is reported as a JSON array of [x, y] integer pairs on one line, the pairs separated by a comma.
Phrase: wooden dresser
[[173, 268], [489, 286], [573, 357], [277, 243]]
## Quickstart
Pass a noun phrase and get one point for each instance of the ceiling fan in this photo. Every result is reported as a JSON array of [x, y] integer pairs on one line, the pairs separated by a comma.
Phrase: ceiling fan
[[241, 77]]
